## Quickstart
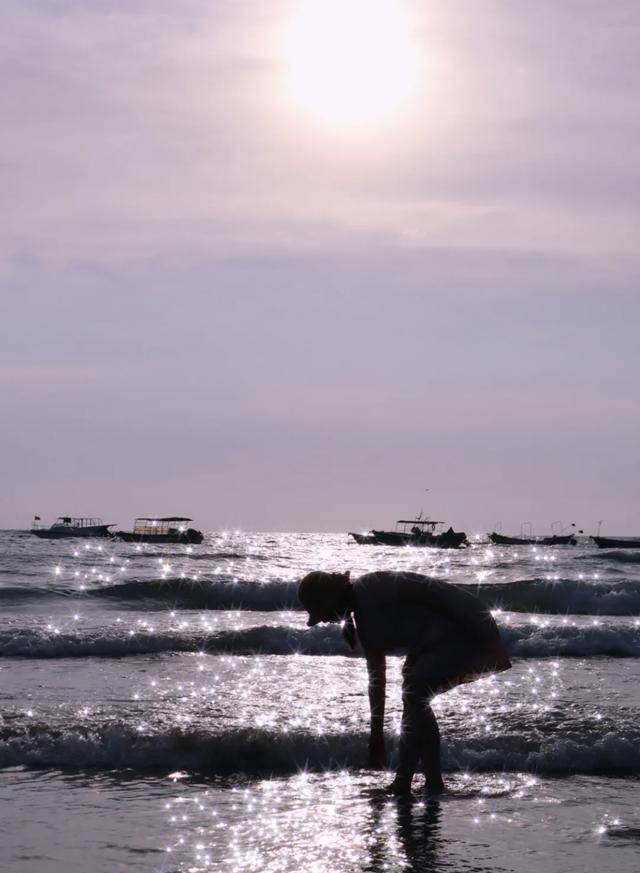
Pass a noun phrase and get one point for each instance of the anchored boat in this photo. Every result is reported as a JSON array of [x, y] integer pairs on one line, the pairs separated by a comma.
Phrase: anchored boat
[[424, 532], [69, 526], [617, 542], [561, 538], [169, 529]]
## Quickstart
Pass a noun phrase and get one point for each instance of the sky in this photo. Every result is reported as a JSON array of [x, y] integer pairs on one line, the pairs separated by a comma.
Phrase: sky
[[285, 272]]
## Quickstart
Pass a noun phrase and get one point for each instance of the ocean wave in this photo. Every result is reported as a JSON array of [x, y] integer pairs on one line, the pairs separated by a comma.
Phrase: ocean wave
[[116, 643], [571, 641], [226, 556], [525, 641], [223, 593], [610, 754], [560, 597], [563, 596], [14, 571], [257, 752], [623, 556], [11, 594], [154, 553]]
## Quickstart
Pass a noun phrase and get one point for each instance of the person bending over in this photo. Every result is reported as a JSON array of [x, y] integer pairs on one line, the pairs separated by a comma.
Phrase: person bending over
[[448, 635]]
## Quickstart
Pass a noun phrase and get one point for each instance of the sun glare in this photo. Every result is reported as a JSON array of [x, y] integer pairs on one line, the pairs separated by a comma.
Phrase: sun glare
[[351, 63]]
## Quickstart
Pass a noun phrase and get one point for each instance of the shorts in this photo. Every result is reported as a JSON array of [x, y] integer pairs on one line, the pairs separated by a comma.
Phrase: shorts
[[451, 662]]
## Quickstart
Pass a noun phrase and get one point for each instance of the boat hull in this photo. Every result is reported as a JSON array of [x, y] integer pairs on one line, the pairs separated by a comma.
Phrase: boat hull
[[188, 537], [364, 539], [564, 540], [450, 539], [69, 533], [617, 542]]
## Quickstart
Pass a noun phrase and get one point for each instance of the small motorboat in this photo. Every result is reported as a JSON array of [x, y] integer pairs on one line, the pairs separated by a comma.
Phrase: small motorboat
[[69, 526], [617, 542], [423, 532], [169, 529], [559, 540], [527, 539]]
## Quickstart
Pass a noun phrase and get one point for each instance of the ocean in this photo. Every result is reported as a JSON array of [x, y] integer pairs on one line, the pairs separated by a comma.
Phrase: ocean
[[166, 709]]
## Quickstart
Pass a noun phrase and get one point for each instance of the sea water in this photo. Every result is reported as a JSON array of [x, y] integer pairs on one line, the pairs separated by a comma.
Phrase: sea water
[[166, 709]]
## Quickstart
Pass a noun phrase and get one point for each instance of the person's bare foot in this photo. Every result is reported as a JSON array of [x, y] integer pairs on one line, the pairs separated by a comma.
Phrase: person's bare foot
[[434, 789]]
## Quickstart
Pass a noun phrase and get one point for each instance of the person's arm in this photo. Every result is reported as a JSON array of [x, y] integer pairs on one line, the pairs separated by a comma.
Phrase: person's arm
[[377, 669]]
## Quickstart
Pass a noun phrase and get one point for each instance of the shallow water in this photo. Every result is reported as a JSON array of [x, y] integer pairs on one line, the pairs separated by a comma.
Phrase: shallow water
[[316, 822], [140, 686]]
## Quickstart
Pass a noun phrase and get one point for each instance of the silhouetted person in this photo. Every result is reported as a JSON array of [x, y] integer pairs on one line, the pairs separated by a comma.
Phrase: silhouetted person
[[447, 633]]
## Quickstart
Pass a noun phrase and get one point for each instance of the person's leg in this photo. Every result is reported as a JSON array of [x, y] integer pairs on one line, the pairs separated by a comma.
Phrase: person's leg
[[416, 730], [423, 677], [430, 751]]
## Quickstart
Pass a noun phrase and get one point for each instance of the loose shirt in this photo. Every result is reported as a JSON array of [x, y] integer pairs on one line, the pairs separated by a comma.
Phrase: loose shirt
[[407, 613]]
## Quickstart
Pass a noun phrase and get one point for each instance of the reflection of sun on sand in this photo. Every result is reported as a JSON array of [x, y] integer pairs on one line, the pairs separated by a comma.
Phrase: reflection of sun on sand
[[351, 63]]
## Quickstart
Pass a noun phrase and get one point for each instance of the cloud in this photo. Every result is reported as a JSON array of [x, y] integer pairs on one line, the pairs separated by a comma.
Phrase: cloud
[[136, 131], [195, 279]]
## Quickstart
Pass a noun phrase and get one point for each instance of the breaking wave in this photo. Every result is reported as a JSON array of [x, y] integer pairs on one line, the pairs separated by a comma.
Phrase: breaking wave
[[560, 597], [563, 596], [260, 751], [524, 641], [221, 593]]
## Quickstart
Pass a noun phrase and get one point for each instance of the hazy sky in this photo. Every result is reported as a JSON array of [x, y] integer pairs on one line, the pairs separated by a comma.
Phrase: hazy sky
[[217, 300]]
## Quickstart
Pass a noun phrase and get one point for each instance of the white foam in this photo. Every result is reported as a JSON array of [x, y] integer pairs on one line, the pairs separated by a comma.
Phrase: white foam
[[259, 751]]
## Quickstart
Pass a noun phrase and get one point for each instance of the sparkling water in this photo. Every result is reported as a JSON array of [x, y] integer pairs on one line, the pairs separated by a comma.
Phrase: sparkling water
[[166, 709]]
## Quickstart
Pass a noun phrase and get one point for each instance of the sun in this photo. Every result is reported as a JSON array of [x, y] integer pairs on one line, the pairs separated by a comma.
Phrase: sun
[[351, 63]]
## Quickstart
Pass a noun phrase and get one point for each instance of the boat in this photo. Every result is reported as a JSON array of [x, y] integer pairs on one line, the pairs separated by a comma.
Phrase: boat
[[556, 539], [424, 532], [66, 526], [617, 542], [364, 539], [169, 529]]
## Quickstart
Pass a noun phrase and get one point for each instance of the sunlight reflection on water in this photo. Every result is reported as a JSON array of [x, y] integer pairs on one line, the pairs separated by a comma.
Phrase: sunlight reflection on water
[[334, 822]]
